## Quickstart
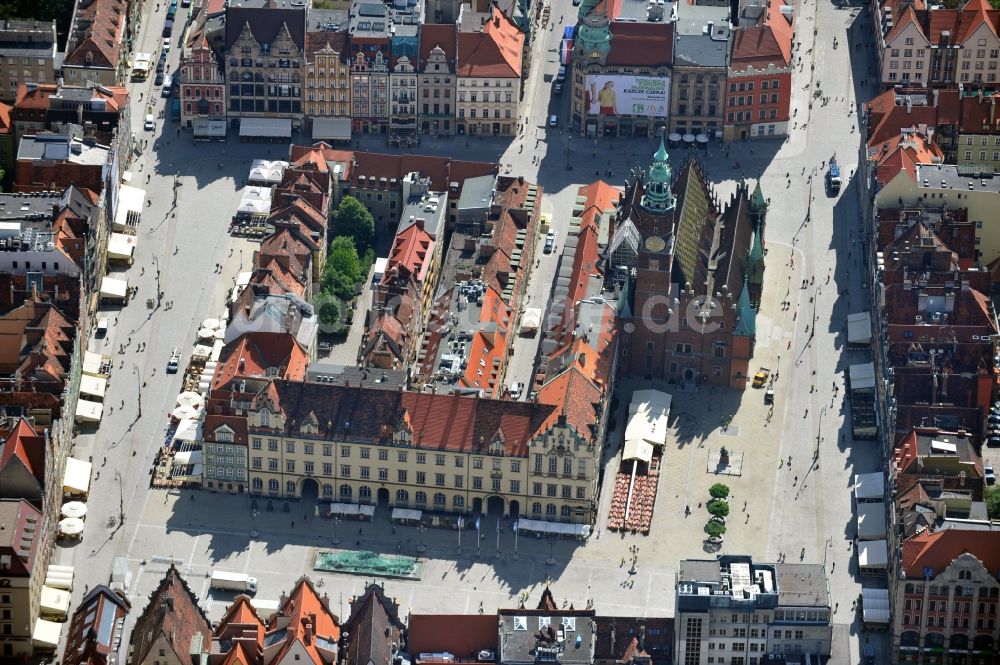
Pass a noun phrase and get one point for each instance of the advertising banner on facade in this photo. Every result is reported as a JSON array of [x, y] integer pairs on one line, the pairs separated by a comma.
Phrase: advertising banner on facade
[[621, 94]]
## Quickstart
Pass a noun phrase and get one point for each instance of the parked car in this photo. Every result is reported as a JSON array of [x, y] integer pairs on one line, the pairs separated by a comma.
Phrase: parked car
[[515, 390], [168, 85], [991, 477], [150, 123], [561, 76], [553, 121], [166, 45], [174, 362], [557, 89], [168, 28], [550, 242], [159, 77]]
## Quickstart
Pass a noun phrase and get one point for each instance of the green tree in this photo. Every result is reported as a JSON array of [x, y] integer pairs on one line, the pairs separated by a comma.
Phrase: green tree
[[715, 530], [718, 508], [352, 219], [343, 268], [993, 502], [330, 313], [719, 491]]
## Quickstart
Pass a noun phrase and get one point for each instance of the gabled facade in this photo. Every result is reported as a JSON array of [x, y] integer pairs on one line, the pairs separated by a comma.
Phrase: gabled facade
[[490, 48], [173, 628], [94, 52], [370, 92], [327, 75], [202, 82], [436, 79]]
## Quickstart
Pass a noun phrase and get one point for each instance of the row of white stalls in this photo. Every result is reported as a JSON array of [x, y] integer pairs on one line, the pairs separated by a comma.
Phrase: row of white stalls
[[53, 605], [122, 241], [872, 545], [93, 387]]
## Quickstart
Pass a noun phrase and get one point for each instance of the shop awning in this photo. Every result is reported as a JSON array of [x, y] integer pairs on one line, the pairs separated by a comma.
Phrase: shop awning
[[266, 127], [406, 514], [862, 376], [46, 633], [874, 605], [266, 172], [129, 210], [188, 457], [54, 602], [114, 288], [94, 386], [121, 246], [869, 486], [344, 509], [558, 528], [88, 412], [334, 129], [871, 521], [859, 328], [873, 554], [76, 479]]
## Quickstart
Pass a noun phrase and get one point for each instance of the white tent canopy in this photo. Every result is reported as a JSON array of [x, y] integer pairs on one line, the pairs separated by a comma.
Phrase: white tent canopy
[[121, 246], [46, 633], [351, 509], [649, 414], [88, 412], [92, 363], [93, 385], [875, 605], [859, 328], [189, 429], [869, 487], [255, 202], [871, 521], [531, 320], [129, 210], [266, 171], [114, 288], [873, 554], [74, 509], [406, 514], [862, 376], [188, 457], [76, 479], [558, 528], [266, 127], [54, 601]]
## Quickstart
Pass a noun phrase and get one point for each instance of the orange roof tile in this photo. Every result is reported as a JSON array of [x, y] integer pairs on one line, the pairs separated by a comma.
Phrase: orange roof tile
[[437, 34], [770, 42], [575, 397], [99, 27], [937, 550], [494, 52], [254, 354], [412, 249], [308, 618], [24, 444]]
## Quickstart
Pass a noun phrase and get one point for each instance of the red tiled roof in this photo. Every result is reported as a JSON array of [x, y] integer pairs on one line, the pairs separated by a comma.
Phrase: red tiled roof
[[767, 43], [412, 250], [464, 635], [306, 617], [903, 19], [574, 397], [494, 52], [24, 444], [100, 25], [980, 114], [641, 44], [949, 106], [317, 41], [17, 515], [437, 34], [961, 23], [37, 97], [174, 614], [254, 353], [937, 550], [5, 124]]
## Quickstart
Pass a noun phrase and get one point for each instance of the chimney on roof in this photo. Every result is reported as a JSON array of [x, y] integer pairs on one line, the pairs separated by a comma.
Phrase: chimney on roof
[[307, 627]]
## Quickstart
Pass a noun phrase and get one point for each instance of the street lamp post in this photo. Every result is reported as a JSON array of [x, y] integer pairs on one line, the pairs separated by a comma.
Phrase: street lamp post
[[420, 538], [336, 521], [551, 561]]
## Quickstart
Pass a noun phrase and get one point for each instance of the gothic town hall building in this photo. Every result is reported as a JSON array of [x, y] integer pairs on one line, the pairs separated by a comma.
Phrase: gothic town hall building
[[693, 272]]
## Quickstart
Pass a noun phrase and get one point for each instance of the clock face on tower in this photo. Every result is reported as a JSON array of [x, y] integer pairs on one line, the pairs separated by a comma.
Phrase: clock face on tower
[[655, 244]]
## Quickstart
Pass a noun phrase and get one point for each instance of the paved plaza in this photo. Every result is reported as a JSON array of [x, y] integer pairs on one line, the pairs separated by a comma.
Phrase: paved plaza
[[802, 509]]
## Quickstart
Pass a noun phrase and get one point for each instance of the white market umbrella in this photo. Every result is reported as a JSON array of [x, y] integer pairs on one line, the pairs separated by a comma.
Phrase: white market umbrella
[[220, 333], [206, 333], [182, 412], [71, 526], [74, 509], [190, 399], [211, 323]]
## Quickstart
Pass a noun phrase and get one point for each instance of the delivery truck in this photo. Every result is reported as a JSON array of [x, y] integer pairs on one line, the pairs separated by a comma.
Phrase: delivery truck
[[234, 582]]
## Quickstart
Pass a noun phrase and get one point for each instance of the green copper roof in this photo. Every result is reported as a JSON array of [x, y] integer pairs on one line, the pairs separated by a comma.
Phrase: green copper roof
[[755, 261], [658, 195], [747, 326], [594, 33], [757, 201]]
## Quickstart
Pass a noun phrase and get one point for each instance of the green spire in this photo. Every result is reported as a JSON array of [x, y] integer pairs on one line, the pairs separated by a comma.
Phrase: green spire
[[658, 196], [757, 202], [624, 304], [755, 261], [747, 325]]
